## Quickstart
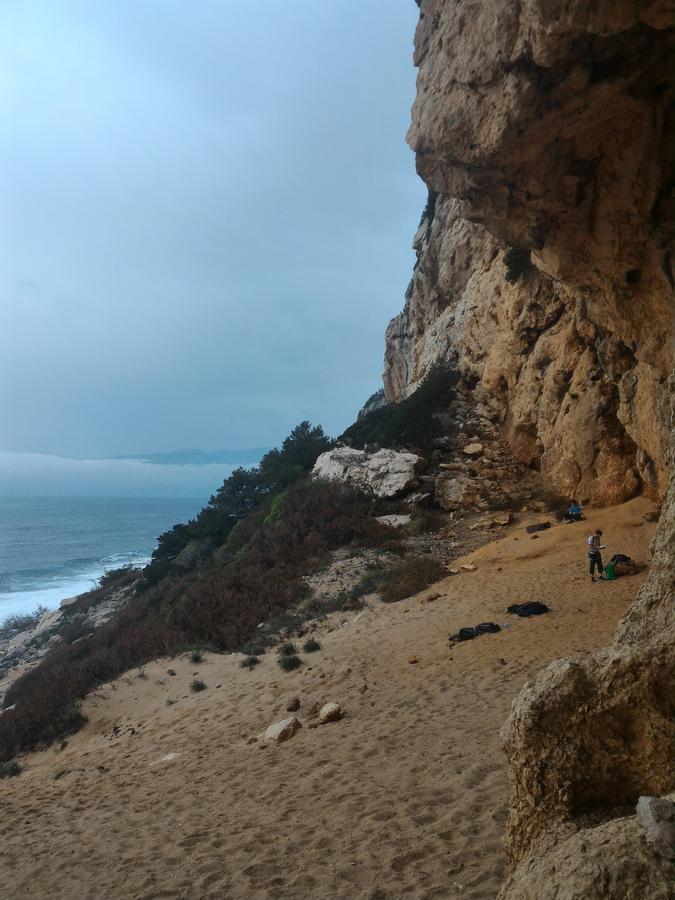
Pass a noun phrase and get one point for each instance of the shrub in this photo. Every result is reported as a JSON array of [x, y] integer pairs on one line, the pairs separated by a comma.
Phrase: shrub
[[21, 621], [75, 629], [10, 769], [239, 495], [369, 583], [518, 263], [197, 685], [412, 422], [109, 582], [427, 520], [248, 662], [195, 657], [288, 663], [286, 649], [411, 577], [311, 646], [429, 210], [112, 577]]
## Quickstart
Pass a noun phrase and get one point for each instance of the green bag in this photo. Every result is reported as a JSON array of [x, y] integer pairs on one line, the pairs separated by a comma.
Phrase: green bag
[[610, 574]]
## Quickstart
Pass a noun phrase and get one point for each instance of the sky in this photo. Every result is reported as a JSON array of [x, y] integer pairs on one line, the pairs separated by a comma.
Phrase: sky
[[206, 212]]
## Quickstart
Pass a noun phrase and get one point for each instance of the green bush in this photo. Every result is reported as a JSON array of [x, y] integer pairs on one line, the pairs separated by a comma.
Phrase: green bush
[[412, 422], [248, 662], [288, 648], [518, 263], [311, 646], [21, 622], [288, 663], [10, 769], [196, 657], [197, 686], [429, 210], [370, 583], [410, 577], [239, 495]]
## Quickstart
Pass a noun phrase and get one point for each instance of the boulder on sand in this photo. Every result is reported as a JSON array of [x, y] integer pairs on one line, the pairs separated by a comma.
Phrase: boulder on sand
[[330, 712], [283, 730], [385, 473]]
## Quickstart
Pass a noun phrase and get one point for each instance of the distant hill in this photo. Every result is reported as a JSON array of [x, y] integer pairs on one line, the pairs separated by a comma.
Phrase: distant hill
[[191, 457]]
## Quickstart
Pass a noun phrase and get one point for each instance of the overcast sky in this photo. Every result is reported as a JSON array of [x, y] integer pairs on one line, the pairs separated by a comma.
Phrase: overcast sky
[[206, 216]]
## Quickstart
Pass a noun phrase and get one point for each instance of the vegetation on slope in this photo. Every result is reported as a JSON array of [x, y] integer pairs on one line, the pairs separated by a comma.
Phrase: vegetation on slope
[[264, 529], [188, 546], [413, 422], [240, 562]]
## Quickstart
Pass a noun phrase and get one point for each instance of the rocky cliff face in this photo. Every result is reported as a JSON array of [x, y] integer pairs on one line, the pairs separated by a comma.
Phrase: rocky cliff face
[[544, 133], [585, 740]]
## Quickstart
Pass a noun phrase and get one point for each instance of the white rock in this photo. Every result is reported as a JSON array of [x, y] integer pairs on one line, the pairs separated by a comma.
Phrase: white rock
[[385, 473], [394, 521], [330, 712], [283, 730]]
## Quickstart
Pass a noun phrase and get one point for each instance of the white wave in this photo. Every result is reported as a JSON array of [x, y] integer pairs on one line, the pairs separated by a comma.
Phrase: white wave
[[58, 589]]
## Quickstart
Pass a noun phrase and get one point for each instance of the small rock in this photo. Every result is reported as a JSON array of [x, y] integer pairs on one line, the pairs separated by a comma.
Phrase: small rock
[[474, 449], [502, 518], [453, 571], [394, 521], [363, 689], [170, 672], [330, 712], [657, 817], [412, 660], [294, 705], [283, 730], [469, 567], [535, 537]]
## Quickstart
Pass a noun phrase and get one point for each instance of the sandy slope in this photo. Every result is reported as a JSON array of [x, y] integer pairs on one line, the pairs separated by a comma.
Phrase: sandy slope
[[405, 797]]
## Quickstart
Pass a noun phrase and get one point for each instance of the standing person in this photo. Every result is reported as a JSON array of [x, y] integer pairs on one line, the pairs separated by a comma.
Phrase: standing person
[[594, 554]]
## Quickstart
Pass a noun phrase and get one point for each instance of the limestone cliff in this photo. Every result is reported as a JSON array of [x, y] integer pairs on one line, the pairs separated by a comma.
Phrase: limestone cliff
[[544, 130], [585, 740]]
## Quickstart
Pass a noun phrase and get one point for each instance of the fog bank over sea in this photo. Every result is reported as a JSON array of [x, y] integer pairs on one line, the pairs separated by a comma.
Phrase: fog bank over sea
[[41, 475]]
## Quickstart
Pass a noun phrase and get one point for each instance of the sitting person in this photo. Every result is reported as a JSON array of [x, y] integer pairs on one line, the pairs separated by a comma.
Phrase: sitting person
[[573, 513]]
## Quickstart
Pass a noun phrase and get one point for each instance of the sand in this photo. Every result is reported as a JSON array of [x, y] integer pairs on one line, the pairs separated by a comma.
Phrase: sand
[[404, 797]]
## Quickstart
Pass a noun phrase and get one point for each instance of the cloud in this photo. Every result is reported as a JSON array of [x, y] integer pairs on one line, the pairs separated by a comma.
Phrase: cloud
[[207, 218], [36, 474]]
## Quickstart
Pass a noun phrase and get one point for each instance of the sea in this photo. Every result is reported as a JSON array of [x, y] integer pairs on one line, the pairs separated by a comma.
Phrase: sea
[[57, 547]]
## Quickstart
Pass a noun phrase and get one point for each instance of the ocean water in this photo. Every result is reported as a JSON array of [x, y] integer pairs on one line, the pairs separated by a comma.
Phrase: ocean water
[[57, 547]]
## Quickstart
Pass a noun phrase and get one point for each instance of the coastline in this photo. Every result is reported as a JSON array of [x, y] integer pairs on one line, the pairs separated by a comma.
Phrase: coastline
[[54, 548]]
